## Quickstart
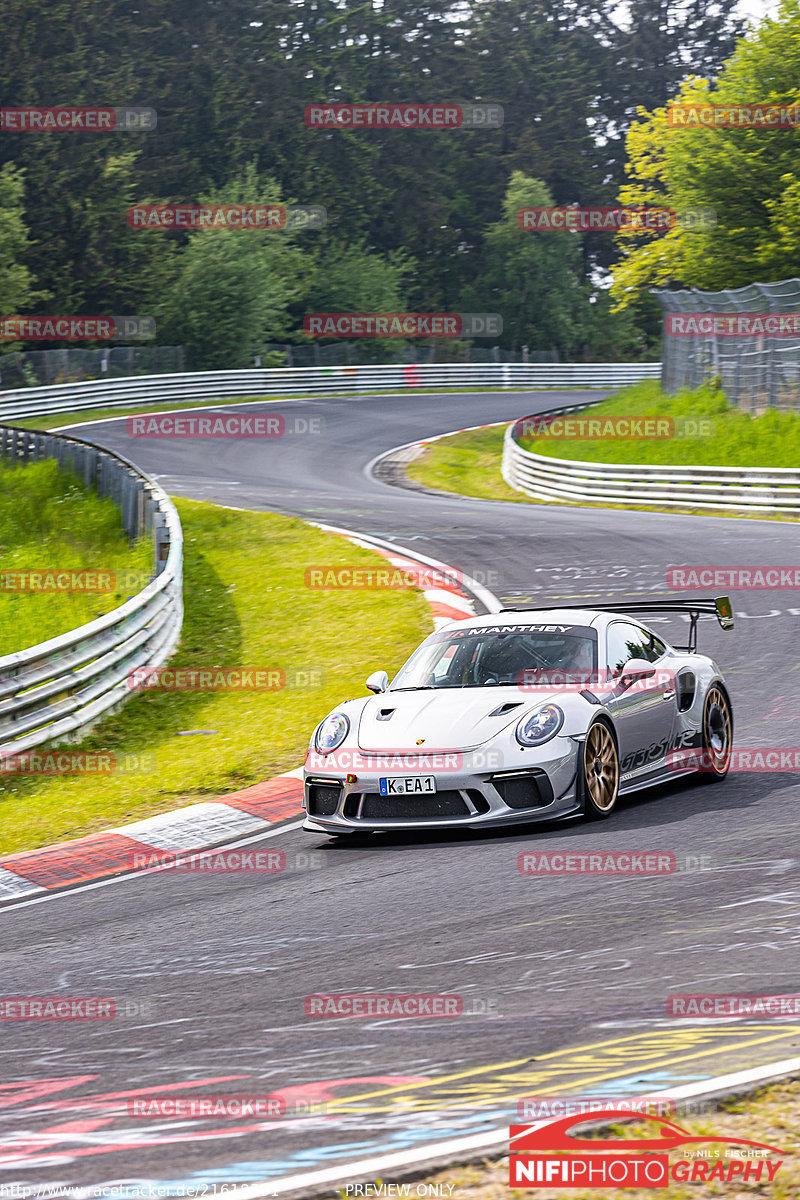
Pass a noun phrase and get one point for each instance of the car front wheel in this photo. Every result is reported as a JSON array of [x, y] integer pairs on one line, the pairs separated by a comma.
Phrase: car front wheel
[[599, 768]]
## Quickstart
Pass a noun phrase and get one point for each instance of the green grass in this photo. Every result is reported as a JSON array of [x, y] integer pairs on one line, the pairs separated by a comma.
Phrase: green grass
[[467, 463], [739, 440], [48, 520], [246, 605]]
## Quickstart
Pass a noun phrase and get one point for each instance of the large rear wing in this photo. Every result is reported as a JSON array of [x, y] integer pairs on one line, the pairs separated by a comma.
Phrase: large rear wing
[[710, 606]]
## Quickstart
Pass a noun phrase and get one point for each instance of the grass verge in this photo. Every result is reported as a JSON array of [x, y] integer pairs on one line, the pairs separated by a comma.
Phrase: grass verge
[[730, 439], [466, 463], [246, 606], [469, 463], [50, 522], [769, 1115]]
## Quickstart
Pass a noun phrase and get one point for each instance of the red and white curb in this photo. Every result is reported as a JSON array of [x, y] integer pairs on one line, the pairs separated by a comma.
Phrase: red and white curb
[[112, 851], [200, 827], [438, 583]]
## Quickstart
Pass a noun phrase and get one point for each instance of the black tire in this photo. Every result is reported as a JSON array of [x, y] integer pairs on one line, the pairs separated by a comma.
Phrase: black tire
[[717, 734], [598, 772]]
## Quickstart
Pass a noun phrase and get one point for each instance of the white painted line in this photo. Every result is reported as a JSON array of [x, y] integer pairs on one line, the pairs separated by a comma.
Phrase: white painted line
[[455, 1148], [165, 412]]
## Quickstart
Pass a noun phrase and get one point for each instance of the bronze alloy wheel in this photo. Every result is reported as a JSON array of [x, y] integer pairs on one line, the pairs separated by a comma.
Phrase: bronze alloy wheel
[[717, 734], [600, 771]]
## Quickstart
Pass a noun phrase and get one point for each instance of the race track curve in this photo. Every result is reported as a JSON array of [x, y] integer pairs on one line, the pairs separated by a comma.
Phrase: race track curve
[[213, 970]]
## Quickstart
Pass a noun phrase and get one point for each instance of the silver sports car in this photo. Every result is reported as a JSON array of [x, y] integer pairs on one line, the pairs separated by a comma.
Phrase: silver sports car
[[521, 716]]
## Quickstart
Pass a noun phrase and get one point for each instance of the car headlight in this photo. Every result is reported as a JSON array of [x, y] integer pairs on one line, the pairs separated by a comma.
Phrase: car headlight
[[540, 726], [332, 732]]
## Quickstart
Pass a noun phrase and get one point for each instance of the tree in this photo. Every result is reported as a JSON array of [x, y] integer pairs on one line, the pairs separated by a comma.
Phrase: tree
[[233, 288], [532, 279], [351, 279], [17, 289]]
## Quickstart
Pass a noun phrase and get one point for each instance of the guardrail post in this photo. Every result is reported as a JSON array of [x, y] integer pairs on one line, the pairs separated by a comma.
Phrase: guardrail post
[[161, 538]]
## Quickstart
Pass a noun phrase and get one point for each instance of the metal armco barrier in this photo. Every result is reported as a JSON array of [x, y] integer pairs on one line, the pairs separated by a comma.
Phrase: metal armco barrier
[[284, 381], [60, 688], [762, 489]]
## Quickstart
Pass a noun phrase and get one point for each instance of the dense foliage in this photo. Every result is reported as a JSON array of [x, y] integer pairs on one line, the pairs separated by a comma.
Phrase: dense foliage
[[421, 220]]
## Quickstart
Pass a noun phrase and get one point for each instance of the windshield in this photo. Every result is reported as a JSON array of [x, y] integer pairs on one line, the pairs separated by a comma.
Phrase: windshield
[[493, 656]]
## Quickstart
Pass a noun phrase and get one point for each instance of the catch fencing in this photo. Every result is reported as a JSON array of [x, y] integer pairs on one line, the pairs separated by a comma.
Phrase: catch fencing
[[60, 688], [755, 370], [31, 368]]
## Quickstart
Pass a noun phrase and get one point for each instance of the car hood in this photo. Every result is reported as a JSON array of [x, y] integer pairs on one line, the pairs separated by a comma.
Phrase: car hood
[[445, 719]]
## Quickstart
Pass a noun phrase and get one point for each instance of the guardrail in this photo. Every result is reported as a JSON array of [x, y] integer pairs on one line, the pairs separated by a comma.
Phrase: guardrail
[[60, 688], [285, 381], [760, 489]]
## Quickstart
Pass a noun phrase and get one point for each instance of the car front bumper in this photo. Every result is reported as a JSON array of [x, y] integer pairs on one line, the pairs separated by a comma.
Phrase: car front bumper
[[539, 786]]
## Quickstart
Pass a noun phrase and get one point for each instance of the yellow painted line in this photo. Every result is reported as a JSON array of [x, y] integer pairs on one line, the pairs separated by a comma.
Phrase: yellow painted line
[[533, 1077]]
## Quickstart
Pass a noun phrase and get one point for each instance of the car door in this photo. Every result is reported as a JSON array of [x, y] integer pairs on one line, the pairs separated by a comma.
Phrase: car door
[[644, 713]]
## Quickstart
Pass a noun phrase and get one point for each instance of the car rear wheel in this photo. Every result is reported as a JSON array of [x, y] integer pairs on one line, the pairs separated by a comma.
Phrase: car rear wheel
[[599, 767], [717, 735]]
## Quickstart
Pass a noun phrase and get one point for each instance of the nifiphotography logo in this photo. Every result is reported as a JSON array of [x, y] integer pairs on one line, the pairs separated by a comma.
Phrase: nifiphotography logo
[[548, 1154]]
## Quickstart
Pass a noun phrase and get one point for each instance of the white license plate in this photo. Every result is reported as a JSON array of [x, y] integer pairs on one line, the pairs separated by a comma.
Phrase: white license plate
[[404, 785]]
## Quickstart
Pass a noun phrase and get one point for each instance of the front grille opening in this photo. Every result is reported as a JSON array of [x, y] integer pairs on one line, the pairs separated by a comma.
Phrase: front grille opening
[[531, 790], [436, 807], [323, 799], [351, 804], [479, 801]]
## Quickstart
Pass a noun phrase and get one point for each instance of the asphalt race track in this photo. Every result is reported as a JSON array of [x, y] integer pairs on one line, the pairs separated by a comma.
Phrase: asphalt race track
[[565, 979]]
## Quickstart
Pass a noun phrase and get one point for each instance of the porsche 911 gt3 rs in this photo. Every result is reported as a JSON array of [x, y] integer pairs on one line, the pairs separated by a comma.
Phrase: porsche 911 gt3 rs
[[520, 716]]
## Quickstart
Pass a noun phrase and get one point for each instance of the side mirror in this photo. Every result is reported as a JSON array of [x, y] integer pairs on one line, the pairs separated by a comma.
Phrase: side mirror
[[378, 682], [636, 669]]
